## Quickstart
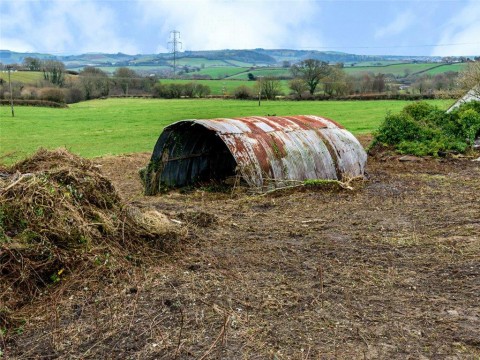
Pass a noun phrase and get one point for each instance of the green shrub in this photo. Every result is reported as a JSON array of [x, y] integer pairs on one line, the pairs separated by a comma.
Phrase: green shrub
[[176, 91], [470, 124], [419, 110], [402, 127], [243, 92], [168, 91], [423, 129], [74, 95]]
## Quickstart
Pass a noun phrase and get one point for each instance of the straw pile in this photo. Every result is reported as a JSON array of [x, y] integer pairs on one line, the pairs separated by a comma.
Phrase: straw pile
[[60, 216]]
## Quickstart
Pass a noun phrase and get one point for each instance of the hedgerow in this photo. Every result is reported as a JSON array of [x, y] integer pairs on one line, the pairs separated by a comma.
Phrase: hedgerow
[[422, 129], [43, 103]]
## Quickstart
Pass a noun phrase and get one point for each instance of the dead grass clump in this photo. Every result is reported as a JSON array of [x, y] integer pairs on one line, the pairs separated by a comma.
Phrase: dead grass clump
[[198, 218], [59, 215], [45, 159]]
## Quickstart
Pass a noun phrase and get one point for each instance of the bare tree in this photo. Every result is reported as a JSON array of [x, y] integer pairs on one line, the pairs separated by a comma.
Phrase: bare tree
[[335, 82], [33, 64], [54, 71], [125, 78], [469, 79], [423, 84], [298, 87], [311, 71], [95, 82], [378, 84], [366, 84], [270, 87]]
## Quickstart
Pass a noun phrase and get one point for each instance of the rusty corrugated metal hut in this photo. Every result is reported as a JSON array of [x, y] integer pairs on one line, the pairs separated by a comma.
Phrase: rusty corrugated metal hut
[[267, 152]]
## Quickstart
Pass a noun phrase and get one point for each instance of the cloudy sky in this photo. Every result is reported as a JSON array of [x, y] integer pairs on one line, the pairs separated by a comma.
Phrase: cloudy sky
[[397, 27]]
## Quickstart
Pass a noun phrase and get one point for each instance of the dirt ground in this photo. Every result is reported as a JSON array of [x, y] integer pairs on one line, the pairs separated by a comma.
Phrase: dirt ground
[[390, 270]]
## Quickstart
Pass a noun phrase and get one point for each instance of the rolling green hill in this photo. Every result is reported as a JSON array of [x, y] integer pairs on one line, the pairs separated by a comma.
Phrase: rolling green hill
[[241, 58]]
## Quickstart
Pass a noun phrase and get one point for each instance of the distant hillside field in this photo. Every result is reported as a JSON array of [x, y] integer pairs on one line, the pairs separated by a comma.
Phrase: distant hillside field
[[265, 72], [245, 57], [219, 72], [199, 62], [405, 68], [446, 67], [217, 69], [26, 77]]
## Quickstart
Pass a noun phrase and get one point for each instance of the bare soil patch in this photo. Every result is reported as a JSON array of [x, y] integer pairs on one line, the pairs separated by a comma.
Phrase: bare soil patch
[[390, 270]]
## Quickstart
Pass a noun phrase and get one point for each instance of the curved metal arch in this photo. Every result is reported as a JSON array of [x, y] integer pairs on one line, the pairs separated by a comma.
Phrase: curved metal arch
[[269, 151]]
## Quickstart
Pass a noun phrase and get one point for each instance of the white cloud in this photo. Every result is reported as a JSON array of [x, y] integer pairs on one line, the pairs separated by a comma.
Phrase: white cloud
[[236, 24], [57, 26], [401, 23], [16, 45], [15, 16], [461, 35]]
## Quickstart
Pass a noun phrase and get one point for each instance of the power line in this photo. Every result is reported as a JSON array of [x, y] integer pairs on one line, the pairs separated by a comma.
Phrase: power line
[[175, 43]]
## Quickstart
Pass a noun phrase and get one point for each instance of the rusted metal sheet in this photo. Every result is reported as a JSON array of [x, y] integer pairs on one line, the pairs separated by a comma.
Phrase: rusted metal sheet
[[267, 151]]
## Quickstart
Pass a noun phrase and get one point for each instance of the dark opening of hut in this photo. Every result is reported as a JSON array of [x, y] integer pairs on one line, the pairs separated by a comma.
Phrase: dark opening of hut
[[267, 152]]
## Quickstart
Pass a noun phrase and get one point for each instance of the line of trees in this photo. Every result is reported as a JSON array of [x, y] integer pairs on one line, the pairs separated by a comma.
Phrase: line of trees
[[314, 76], [265, 87], [91, 82], [176, 91], [95, 82]]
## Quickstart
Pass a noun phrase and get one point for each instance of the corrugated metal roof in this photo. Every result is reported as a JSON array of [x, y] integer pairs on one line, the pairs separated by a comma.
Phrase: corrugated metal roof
[[271, 151], [471, 95]]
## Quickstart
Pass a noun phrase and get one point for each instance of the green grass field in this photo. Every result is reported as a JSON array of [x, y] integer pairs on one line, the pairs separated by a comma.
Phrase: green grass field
[[118, 126], [224, 86], [402, 69], [275, 72], [447, 67], [199, 62], [217, 87], [240, 63], [395, 69], [376, 63], [26, 77], [140, 68], [220, 71]]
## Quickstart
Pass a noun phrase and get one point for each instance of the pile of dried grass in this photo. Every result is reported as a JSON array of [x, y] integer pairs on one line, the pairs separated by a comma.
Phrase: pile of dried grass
[[60, 216]]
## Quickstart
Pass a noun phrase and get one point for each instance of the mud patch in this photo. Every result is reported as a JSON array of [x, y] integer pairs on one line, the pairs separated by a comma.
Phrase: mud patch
[[387, 271]]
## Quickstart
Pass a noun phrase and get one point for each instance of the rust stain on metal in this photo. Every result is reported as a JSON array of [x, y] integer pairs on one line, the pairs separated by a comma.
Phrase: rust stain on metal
[[265, 151]]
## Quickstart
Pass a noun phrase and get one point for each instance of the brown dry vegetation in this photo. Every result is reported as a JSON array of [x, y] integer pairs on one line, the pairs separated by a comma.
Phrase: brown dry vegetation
[[390, 270]]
